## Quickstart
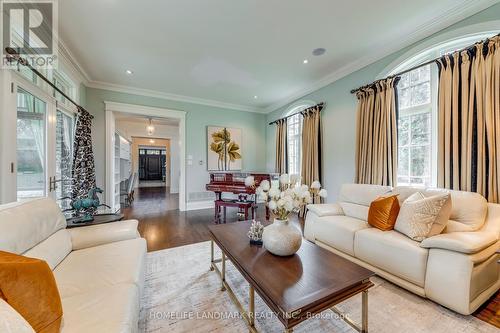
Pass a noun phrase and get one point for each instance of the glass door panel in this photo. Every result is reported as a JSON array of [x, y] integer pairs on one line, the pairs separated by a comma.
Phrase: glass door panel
[[31, 146], [64, 156]]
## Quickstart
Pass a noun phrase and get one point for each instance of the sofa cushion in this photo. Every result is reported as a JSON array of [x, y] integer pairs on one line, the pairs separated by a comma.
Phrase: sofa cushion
[[11, 321], [356, 198], [338, 231], [325, 209], [468, 212], [356, 211], [362, 194], [392, 252], [101, 267], [53, 250], [113, 309], [25, 224]]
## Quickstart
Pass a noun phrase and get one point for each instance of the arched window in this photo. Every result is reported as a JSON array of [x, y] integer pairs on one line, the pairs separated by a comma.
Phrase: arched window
[[294, 135], [417, 123]]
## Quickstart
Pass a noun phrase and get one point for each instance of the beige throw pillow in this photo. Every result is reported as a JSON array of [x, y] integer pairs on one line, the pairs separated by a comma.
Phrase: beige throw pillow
[[421, 217]]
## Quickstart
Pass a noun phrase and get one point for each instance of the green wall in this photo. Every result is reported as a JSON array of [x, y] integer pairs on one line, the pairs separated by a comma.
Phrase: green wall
[[198, 117], [339, 123]]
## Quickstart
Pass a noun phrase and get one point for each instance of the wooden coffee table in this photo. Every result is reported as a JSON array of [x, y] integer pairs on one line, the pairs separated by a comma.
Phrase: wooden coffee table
[[295, 288]]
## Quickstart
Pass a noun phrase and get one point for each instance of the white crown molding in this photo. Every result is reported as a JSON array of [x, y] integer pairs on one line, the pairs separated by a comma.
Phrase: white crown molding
[[455, 14], [469, 31], [144, 110], [76, 68], [172, 97]]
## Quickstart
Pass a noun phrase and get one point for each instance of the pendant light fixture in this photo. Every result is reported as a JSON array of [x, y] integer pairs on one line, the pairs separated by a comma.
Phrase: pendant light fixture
[[150, 128]]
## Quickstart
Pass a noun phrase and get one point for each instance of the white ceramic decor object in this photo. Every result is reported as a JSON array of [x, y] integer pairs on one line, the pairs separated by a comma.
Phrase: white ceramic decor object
[[282, 238]]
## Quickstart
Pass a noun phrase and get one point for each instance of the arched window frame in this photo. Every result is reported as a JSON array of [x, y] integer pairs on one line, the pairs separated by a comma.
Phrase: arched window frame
[[410, 114], [294, 135]]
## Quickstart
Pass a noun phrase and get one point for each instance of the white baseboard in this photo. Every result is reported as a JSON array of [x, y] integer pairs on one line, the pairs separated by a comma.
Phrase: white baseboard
[[197, 205], [174, 190]]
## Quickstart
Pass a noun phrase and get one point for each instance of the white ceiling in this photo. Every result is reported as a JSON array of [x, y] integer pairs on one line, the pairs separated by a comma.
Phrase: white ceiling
[[223, 52]]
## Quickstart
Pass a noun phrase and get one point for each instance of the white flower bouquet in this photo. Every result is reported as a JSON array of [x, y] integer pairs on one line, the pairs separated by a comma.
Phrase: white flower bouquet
[[290, 196]]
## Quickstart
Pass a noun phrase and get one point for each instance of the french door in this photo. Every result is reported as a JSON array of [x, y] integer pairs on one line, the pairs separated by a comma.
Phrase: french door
[[40, 136]]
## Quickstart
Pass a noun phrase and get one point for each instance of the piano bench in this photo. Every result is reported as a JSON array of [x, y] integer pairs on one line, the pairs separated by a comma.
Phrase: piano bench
[[243, 206]]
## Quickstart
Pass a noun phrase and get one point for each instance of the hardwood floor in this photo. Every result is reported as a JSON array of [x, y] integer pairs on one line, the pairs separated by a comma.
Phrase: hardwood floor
[[164, 226]]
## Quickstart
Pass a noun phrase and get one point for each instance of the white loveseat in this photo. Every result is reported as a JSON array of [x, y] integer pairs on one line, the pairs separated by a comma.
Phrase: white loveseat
[[99, 270], [457, 269]]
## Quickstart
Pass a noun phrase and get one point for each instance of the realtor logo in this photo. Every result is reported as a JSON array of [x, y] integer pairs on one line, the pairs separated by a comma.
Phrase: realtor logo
[[29, 28]]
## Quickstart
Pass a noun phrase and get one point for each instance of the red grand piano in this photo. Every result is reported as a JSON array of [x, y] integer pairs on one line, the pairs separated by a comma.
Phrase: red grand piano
[[234, 182]]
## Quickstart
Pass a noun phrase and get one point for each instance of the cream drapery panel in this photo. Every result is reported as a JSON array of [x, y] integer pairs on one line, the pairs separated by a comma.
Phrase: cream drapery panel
[[469, 120], [376, 134], [281, 146], [311, 144]]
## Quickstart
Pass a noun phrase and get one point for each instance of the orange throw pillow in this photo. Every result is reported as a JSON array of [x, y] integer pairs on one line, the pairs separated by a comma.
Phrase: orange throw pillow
[[28, 285], [384, 212]]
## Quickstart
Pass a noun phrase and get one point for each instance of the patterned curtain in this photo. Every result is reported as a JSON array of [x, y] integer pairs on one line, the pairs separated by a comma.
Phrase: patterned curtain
[[376, 133], [281, 146], [469, 120], [83, 172], [311, 144]]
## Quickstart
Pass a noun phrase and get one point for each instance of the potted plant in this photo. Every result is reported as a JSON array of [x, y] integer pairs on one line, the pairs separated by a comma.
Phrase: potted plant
[[288, 197]]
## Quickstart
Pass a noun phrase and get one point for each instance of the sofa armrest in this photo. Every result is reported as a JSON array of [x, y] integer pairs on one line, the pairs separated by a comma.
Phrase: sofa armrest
[[326, 209], [464, 242], [100, 234]]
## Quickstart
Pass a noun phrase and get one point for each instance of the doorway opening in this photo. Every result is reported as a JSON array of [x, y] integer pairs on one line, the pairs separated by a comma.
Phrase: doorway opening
[[153, 143]]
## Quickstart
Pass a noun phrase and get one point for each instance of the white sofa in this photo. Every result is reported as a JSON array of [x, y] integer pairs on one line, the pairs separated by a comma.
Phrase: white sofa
[[99, 270], [457, 269]]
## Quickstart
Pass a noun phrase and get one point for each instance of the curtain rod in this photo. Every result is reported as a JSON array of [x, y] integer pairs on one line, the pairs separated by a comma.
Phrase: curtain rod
[[14, 55], [421, 65], [293, 114]]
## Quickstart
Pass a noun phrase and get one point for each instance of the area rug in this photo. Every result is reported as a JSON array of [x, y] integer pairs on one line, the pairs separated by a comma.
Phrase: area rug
[[182, 295]]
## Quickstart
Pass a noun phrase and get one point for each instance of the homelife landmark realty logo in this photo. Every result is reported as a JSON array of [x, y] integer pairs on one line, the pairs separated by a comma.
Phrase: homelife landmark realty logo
[[29, 33]]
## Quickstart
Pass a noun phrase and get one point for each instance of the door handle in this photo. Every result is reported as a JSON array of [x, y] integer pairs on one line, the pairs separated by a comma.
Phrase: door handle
[[53, 183]]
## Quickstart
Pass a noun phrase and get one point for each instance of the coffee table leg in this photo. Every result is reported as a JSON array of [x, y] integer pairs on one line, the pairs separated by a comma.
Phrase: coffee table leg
[[289, 330], [364, 312], [251, 306], [223, 287]]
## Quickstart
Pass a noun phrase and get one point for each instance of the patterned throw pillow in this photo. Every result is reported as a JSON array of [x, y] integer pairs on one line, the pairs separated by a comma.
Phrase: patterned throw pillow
[[421, 217]]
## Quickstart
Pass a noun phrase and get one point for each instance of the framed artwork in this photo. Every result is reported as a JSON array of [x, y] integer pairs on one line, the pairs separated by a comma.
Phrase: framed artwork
[[223, 149]]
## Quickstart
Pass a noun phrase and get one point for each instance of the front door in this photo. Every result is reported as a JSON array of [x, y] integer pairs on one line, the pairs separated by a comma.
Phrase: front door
[[153, 169], [150, 167]]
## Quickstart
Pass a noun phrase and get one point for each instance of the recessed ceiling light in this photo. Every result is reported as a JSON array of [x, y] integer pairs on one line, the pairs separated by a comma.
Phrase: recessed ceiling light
[[256, 97], [129, 72], [319, 51], [305, 61]]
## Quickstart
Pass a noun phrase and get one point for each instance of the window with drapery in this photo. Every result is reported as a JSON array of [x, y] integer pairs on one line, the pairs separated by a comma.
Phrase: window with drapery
[[294, 136], [417, 121]]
